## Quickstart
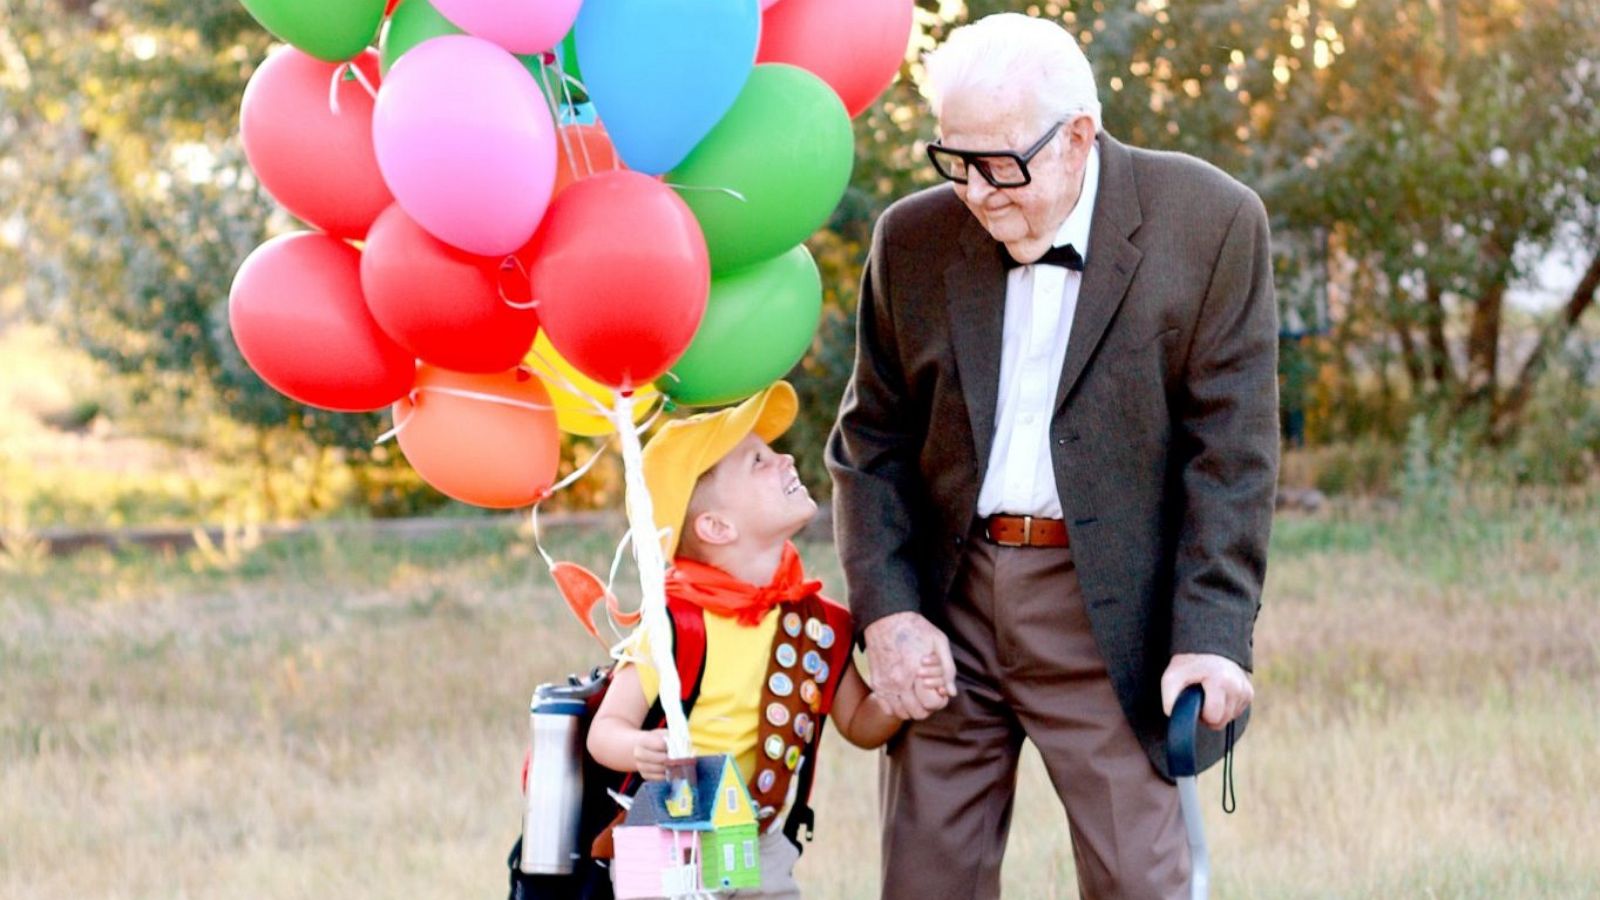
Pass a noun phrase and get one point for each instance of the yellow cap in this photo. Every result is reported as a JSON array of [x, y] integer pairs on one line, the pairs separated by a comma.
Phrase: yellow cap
[[685, 449]]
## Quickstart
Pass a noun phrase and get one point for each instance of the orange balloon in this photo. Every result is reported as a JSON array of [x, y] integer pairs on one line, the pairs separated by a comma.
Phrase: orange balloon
[[581, 151], [487, 440]]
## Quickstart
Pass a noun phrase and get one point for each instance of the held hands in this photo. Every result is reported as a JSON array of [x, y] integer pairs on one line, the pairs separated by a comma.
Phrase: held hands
[[1227, 686], [913, 674], [929, 679], [650, 755]]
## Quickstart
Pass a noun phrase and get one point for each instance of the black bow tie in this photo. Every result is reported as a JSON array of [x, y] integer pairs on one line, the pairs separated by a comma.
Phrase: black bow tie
[[1066, 255]]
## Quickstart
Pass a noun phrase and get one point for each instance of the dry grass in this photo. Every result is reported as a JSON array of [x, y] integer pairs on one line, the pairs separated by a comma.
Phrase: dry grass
[[343, 718]]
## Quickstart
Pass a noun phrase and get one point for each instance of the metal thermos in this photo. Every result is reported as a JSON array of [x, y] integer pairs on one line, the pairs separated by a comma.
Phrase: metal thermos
[[554, 799]]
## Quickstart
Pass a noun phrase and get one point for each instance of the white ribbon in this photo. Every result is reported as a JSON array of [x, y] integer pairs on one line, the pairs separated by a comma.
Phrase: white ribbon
[[457, 392], [338, 76], [523, 271], [707, 187], [652, 577]]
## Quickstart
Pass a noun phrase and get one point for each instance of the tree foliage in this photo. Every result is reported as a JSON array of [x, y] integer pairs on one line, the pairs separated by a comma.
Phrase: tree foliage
[[1420, 158]]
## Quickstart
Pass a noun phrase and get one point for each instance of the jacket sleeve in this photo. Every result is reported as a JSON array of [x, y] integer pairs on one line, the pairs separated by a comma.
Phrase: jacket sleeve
[[1227, 429], [872, 456]]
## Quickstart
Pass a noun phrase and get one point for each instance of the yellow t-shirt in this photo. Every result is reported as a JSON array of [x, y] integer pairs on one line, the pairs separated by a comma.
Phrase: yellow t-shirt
[[726, 717]]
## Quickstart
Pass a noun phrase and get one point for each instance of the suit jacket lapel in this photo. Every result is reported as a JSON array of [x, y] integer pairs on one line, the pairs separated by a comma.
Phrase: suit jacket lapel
[[975, 289], [1112, 261]]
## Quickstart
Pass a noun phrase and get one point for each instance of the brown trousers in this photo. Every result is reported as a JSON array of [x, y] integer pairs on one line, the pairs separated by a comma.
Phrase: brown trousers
[[1027, 667]]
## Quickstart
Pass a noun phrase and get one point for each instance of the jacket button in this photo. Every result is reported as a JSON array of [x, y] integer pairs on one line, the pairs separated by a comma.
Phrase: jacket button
[[958, 540]]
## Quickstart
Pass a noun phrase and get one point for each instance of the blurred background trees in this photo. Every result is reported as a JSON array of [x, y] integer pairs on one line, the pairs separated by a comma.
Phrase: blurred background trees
[[1432, 168]]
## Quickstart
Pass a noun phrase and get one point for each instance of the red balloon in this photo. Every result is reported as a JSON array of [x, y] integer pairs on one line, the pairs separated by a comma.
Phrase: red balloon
[[298, 317], [856, 46], [621, 275], [318, 164], [488, 440], [443, 304]]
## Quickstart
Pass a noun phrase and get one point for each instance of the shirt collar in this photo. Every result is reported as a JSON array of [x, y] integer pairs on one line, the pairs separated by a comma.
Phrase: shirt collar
[[1075, 230]]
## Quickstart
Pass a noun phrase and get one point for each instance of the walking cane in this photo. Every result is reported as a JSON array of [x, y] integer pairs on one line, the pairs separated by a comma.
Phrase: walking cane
[[1181, 763]]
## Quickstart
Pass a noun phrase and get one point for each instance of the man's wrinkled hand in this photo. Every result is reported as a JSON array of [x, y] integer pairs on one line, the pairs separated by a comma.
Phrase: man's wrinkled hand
[[897, 645], [1227, 686]]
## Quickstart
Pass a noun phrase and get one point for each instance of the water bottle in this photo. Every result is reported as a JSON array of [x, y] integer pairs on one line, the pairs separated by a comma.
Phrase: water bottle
[[554, 799]]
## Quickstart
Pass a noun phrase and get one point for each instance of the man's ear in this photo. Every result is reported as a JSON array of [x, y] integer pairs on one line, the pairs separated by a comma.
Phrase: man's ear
[[1082, 135], [713, 529]]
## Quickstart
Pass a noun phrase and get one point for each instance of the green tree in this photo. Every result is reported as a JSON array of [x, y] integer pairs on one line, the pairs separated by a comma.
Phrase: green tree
[[1419, 158], [130, 206]]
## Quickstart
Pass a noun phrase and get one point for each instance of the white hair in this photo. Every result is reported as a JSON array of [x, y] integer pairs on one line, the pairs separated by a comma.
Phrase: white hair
[[1036, 58]]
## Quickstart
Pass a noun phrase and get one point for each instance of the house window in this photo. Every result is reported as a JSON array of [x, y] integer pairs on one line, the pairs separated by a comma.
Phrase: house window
[[733, 799], [727, 857], [749, 854], [688, 856]]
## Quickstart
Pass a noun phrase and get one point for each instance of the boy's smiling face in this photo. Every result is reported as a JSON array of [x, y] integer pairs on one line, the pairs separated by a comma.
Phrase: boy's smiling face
[[756, 492]]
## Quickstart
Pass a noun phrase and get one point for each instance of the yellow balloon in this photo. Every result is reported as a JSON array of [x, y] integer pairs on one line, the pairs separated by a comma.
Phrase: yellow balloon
[[575, 413]]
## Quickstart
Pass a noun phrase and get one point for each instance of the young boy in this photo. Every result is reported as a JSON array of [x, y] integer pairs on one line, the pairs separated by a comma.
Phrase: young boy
[[777, 654]]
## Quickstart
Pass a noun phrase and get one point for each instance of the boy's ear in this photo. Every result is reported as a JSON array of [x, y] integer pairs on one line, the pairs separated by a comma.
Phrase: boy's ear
[[713, 529]]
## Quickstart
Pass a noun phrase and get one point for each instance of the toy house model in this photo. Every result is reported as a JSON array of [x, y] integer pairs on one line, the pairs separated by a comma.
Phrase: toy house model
[[682, 836]]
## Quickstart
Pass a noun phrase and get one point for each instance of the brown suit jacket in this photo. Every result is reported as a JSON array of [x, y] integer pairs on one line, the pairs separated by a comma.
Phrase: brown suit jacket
[[1165, 434]]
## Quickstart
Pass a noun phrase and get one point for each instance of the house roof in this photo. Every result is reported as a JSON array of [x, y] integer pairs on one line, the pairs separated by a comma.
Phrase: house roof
[[650, 804]]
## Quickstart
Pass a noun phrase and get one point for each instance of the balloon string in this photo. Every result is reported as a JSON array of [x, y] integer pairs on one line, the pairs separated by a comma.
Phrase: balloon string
[[559, 486], [399, 425], [456, 392], [660, 403], [555, 112], [361, 79], [611, 579], [550, 372], [577, 473], [706, 187], [339, 73], [570, 80], [566, 98], [513, 261]]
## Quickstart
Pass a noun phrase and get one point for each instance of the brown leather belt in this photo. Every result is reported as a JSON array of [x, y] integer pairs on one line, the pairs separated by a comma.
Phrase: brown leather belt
[[1025, 531]]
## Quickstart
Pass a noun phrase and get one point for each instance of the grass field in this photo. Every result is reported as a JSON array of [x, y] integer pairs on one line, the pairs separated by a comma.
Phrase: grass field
[[344, 717]]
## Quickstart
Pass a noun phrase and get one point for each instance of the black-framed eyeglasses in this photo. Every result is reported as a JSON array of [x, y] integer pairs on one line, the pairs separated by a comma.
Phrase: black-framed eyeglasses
[[1001, 168]]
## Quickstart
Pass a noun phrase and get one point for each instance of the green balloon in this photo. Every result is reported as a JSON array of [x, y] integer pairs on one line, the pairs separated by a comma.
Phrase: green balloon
[[759, 322], [411, 23], [332, 32], [786, 148]]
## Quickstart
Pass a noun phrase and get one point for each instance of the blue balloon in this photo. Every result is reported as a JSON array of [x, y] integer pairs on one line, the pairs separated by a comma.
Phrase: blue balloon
[[661, 73]]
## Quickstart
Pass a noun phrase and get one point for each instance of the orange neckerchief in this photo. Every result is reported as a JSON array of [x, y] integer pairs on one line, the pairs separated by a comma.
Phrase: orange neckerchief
[[714, 590]]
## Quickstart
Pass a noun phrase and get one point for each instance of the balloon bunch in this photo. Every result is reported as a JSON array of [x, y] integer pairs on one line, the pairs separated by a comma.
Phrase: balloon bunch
[[502, 243], [529, 216]]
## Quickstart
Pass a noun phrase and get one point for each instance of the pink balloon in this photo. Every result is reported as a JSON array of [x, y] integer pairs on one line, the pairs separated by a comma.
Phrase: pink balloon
[[466, 143], [521, 26]]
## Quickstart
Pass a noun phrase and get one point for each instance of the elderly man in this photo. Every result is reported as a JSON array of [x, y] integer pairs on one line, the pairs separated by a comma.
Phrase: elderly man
[[1054, 466]]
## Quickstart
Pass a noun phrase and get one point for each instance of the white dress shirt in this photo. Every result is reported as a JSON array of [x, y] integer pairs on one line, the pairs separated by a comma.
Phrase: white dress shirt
[[1040, 303]]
